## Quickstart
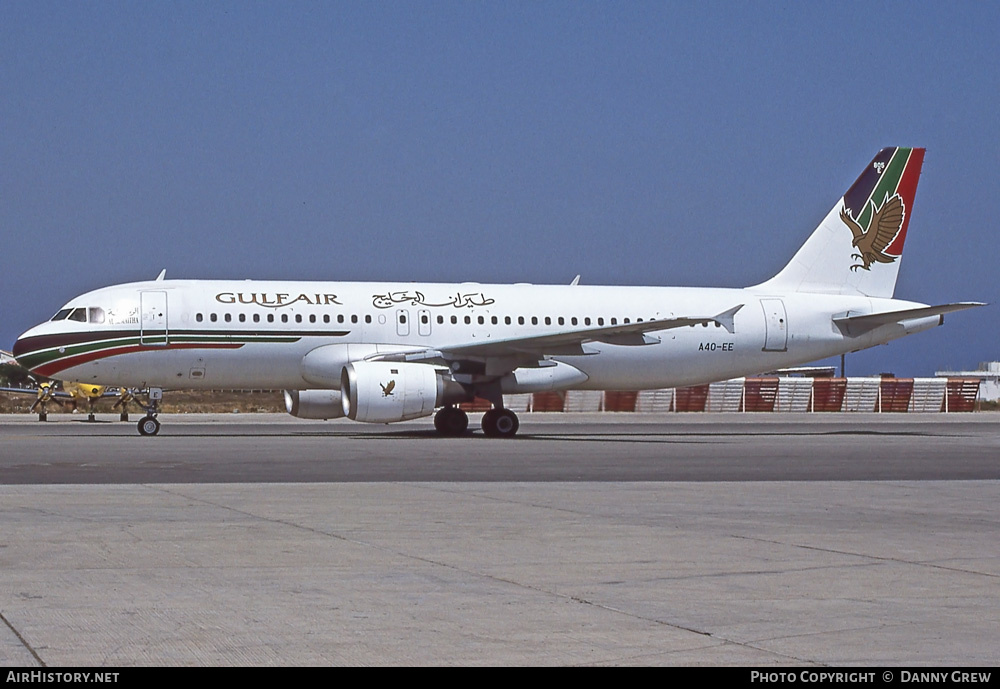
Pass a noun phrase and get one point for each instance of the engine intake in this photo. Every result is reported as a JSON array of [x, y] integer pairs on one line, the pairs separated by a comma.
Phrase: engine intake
[[386, 392]]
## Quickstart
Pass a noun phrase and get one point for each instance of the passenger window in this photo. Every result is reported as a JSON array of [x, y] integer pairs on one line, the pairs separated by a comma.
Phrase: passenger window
[[284, 318], [468, 320], [256, 318], [482, 320], [354, 319], [270, 318], [340, 318], [228, 318], [243, 318], [198, 317], [213, 317], [534, 320], [454, 320], [368, 318], [494, 320]]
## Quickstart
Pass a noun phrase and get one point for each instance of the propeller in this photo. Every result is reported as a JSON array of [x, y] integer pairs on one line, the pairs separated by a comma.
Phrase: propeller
[[45, 396]]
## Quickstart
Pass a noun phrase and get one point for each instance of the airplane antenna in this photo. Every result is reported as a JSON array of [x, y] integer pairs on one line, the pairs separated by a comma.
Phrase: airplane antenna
[[576, 281], [163, 274]]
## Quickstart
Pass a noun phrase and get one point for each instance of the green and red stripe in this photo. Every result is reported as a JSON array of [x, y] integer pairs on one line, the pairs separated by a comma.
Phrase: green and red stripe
[[50, 354]]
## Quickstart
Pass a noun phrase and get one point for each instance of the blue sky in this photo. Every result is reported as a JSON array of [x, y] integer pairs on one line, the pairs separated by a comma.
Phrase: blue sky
[[665, 143]]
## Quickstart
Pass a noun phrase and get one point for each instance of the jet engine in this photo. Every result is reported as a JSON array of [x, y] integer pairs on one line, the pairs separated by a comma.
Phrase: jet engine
[[314, 404], [384, 392]]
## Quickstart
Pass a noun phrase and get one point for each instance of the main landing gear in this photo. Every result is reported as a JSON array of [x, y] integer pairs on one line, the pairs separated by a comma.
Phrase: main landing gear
[[500, 423], [451, 421], [148, 425], [497, 423]]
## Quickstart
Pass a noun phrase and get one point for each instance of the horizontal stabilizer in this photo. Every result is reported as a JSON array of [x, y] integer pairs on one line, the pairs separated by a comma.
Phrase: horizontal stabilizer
[[861, 324]]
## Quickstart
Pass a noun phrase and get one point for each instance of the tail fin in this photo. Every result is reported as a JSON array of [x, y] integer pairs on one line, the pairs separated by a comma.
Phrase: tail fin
[[856, 249]]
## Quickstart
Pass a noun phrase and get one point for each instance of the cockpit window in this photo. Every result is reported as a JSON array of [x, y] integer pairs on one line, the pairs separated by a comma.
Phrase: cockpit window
[[79, 315], [96, 314], [63, 313]]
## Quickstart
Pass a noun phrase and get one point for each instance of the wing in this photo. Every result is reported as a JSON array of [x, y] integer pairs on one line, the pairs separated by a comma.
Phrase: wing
[[508, 354], [887, 222], [20, 391], [854, 226]]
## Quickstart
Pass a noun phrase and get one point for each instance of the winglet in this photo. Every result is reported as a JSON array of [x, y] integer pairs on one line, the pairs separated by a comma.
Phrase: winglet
[[725, 319]]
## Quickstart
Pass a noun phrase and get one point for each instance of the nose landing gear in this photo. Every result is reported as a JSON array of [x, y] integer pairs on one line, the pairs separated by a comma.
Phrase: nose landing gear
[[148, 425]]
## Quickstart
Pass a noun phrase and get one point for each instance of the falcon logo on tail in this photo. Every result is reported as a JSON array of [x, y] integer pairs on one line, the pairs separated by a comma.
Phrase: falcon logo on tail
[[884, 226]]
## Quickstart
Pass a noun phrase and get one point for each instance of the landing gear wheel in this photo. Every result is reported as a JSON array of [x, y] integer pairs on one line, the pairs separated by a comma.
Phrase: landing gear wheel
[[500, 423], [451, 421], [148, 425]]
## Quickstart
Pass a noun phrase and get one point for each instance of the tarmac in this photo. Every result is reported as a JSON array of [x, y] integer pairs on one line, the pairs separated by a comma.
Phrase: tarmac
[[590, 540]]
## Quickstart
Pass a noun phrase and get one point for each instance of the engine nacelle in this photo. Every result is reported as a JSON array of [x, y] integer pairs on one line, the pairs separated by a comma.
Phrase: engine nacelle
[[314, 404], [385, 392]]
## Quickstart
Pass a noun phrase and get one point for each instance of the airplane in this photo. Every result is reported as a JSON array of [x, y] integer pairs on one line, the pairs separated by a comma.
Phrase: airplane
[[383, 352], [64, 392]]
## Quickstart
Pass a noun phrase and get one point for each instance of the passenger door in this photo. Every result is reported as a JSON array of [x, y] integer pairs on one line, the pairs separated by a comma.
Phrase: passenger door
[[153, 318]]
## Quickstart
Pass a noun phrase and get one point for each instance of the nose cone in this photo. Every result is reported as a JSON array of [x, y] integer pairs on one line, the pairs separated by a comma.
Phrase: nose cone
[[28, 343]]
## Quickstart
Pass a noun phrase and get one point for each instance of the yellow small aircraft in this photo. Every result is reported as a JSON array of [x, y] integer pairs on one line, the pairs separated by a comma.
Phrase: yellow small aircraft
[[71, 393]]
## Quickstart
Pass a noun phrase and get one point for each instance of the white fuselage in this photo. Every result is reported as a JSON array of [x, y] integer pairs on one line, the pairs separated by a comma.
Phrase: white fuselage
[[213, 334]]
